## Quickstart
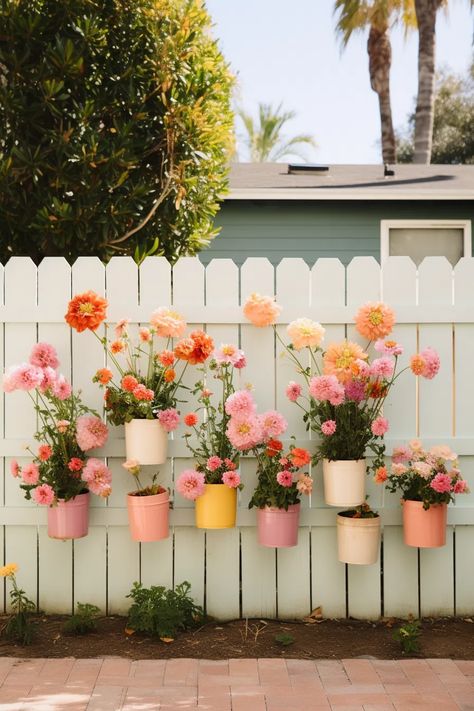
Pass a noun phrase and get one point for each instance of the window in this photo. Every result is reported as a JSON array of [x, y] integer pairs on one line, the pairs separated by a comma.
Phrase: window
[[426, 238]]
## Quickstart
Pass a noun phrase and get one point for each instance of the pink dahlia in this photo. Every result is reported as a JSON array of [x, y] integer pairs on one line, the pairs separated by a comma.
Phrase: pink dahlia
[[230, 464], [213, 463], [191, 484], [49, 377], [432, 363], [44, 356], [304, 484], [228, 354], [30, 473], [327, 387], [401, 454], [240, 403], [441, 483], [379, 426], [423, 469], [61, 388], [285, 478], [273, 424], [9, 380], [97, 477], [398, 469], [91, 432], [329, 427], [355, 390], [169, 419], [382, 367], [15, 469], [231, 479], [24, 377], [460, 487], [388, 347], [241, 362], [43, 495], [121, 329], [244, 432], [293, 391]]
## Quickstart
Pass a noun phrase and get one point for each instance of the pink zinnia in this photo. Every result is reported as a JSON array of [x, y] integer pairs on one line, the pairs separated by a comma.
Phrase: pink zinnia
[[241, 362], [285, 478], [61, 388], [441, 483], [244, 432], [97, 476], [293, 391], [388, 347], [43, 495], [49, 377], [169, 419], [327, 387], [44, 356], [228, 354], [44, 452], [398, 469], [240, 403], [230, 464], [273, 424], [231, 479], [191, 484], [15, 468], [141, 392], [304, 484], [382, 367], [379, 426], [401, 454], [30, 473], [91, 432], [329, 427], [213, 463], [25, 376], [355, 390], [431, 363], [460, 487]]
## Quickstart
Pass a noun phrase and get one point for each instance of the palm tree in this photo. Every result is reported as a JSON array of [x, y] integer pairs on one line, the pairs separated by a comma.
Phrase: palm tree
[[379, 16], [264, 139]]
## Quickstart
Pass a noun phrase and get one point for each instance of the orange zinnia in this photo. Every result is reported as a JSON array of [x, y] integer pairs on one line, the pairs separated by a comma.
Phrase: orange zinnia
[[273, 447], [339, 359], [170, 375], [103, 376], [374, 320], [86, 311], [300, 457]]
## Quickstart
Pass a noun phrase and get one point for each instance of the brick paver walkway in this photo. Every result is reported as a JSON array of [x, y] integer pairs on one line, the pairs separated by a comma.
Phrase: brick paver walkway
[[236, 685]]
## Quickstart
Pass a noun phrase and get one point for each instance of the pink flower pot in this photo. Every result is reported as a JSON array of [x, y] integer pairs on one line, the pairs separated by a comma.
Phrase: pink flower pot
[[69, 519], [148, 516], [146, 441], [358, 540], [344, 482], [424, 528], [278, 528]]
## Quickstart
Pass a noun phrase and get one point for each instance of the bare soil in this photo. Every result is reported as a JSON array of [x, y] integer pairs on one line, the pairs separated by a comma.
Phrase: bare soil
[[321, 639]]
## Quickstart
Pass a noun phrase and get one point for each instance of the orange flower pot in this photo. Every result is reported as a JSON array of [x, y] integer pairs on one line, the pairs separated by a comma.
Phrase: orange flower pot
[[148, 517], [424, 528]]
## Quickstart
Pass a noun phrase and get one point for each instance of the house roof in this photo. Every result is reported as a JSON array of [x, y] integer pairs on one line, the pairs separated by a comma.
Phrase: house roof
[[271, 181]]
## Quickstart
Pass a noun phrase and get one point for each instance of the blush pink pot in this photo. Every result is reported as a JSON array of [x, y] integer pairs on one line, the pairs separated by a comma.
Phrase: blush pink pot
[[278, 528], [148, 517], [69, 519], [424, 528]]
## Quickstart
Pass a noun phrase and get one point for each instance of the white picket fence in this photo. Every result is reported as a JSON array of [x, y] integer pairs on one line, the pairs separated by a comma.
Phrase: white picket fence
[[229, 572]]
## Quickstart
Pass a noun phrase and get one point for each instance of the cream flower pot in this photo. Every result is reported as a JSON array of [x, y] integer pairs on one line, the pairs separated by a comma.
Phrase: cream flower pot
[[358, 540], [344, 482], [146, 441]]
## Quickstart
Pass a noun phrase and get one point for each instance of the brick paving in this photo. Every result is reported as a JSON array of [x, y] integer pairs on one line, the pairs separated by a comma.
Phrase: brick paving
[[113, 684]]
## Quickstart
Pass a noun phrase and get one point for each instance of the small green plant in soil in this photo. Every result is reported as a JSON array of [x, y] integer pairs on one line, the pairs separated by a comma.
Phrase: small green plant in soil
[[408, 636], [18, 627], [284, 639], [84, 620], [163, 613]]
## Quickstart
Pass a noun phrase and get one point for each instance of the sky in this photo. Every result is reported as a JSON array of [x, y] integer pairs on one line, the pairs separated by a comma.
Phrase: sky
[[286, 51]]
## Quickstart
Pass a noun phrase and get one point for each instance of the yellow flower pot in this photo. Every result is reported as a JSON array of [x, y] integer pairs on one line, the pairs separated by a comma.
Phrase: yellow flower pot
[[217, 507]]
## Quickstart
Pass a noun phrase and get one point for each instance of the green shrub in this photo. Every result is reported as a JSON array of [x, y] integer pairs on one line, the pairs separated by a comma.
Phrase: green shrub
[[18, 627], [115, 120], [408, 636], [162, 613], [84, 620]]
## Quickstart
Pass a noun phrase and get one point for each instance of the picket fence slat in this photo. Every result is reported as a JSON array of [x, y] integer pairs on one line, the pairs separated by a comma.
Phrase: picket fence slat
[[229, 572]]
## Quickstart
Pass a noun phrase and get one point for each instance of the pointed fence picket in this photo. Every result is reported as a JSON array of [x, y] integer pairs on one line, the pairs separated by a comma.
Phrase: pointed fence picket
[[230, 574]]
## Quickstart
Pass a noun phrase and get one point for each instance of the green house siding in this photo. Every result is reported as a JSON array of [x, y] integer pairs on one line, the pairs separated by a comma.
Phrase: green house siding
[[314, 229]]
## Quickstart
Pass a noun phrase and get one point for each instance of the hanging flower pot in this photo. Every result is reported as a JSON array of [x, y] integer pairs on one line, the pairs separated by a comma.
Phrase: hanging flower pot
[[148, 516], [146, 441], [69, 519], [344, 482], [278, 528], [217, 507], [358, 539], [424, 528]]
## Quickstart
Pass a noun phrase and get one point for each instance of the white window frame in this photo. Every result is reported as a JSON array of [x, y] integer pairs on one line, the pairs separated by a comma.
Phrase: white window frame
[[387, 225]]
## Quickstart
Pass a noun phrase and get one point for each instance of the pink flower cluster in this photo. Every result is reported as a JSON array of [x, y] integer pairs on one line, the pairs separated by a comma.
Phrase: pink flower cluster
[[191, 484], [39, 373], [169, 419], [327, 387], [97, 476], [247, 429]]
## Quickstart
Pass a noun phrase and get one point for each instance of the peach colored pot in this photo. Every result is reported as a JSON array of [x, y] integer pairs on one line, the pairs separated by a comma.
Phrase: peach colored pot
[[148, 516], [146, 441], [217, 507], [69, 519], [344, 482], [424, 528], [278, 528], [358, 540]]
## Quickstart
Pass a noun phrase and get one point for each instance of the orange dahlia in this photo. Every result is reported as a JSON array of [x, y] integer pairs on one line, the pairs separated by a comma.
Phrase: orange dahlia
[[196, 348], [374, 320], [339, 359], [86, 311]]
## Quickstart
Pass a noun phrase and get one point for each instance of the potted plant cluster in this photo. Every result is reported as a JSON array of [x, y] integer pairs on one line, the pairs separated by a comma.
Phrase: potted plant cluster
[[60, 474], [428, 481], [147, 507], [214, 481], [358, 535]]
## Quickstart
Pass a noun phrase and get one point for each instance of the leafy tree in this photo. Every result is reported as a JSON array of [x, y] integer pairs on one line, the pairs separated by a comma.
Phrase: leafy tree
[[453, 126], [115, 127], [264, 139], [378, 16]]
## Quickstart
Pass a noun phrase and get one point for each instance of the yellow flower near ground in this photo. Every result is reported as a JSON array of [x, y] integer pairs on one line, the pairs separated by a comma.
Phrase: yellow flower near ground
[[8, 570]]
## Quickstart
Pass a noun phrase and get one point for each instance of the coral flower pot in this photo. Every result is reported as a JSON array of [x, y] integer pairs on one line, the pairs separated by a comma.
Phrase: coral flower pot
[[148, 516], [358, 540], [344, 482], [278, 528], [217, 507], [146, 441], [424, 528], [69, 519]]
